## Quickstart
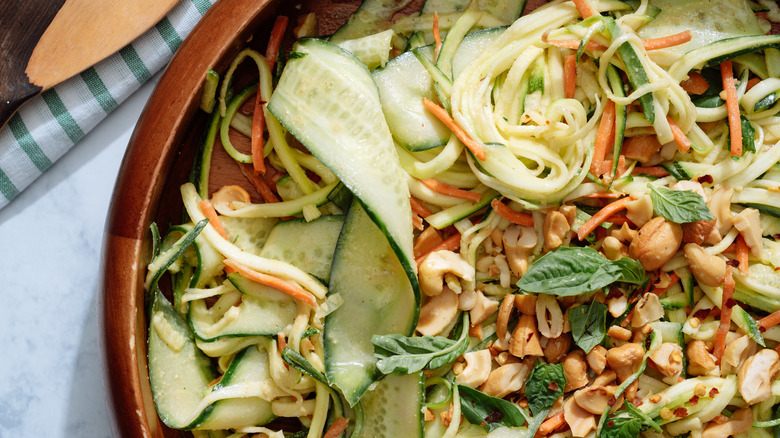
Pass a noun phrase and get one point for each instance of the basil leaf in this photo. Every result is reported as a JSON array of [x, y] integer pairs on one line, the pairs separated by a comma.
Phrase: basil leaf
[[398, 354], [573, 271], [588, 325], [488, 412], [297, 361], [679, 206], [543, 386], [628, 423]]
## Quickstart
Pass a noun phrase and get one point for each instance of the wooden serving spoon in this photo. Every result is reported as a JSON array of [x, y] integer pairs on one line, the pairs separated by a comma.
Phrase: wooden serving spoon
[[46, 42]]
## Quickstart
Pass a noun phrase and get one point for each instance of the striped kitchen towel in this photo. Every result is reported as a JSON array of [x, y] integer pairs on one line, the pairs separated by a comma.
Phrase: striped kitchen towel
[[50, 124]]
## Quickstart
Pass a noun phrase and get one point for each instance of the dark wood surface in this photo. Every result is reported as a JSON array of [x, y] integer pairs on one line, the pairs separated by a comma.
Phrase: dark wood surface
[[20, 18]]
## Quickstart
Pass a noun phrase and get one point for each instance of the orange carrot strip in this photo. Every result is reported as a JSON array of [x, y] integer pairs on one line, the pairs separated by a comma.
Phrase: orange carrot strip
[[515, 217], [770, 320], [337, 428], [208, 210], [258, 120], [419, 208], [584, 8], [656, 171], [290, 289], [667, 41], [550, 425], [258, 183], [752, 83], [732, 108], [570, 75], [281, 342], [695, 84], [446, 189], [575, 44], [600, 217], [417, 222], [450, 244], [462, 135], [673, 279], [683, 143], [742, 255], [436, 36], [604, 138], [725, 316], [275, 40]]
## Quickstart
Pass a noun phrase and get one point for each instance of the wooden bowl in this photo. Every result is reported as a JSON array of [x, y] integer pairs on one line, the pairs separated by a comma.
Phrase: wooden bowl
[[157, 162]]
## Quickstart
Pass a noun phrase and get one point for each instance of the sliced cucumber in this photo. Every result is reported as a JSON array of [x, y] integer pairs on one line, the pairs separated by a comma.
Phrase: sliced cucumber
[[249, 234], [352, 140], [402, 84], [377, 300], [449, 216], [739, 316], [675, 301], [721, 51], [178, 394], [371, 17], [249, 366], [307, 245], [472, 46], [394, 408], [263, 311]]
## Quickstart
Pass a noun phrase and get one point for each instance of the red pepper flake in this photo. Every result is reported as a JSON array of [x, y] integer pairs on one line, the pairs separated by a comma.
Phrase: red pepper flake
[[610, 423], [611, 400], [680, 412], [553, 386], [705, 179], [731, 303], [694, 400], [701, 314], [733, 263], [714, 392]]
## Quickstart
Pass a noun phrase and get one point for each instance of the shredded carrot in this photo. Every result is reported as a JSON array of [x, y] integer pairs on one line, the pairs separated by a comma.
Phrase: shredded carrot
[[450, 244], [208, 210], [618, 219], [600, 217], [275, 40], [258, 120], [695, 84], [550, 425], [641, 148], [462, 135], [258, 183], [752, 82], [656, 171], [667, 41], [419, 208], [584, 8], [683, 143], [436, 36], [446, 189], [337, 428], [673, 279], [725, 316], [604, 138], [281, 342], [770, 320], [742, 255], [515, 217], [290, 289], [570, 75], [621, 167], [417, 222], [732, 108]]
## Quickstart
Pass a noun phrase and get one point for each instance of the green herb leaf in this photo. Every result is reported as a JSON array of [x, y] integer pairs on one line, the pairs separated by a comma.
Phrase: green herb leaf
[[588, 325], [296, 55], [489, 412], [748, 135], [573, 271], [628, 423], [398, 354], [679, 206], [544, 386], [297, 361]]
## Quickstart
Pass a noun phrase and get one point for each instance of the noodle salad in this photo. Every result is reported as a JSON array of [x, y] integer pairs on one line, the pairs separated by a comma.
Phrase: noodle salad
[[468, 222]]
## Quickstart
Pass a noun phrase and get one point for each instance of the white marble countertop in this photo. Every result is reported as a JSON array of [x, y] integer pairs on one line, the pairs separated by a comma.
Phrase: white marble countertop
[[51, 378]]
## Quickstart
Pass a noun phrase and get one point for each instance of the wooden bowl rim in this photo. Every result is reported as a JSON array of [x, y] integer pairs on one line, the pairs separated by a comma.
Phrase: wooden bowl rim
[[160, 130]]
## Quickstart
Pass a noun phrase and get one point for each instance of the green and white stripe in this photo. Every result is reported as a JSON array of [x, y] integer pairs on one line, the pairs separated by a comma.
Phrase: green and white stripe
[[50, 124]]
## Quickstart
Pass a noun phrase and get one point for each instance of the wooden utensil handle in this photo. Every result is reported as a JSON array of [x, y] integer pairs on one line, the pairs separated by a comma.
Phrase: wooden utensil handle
[[30, 20]]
